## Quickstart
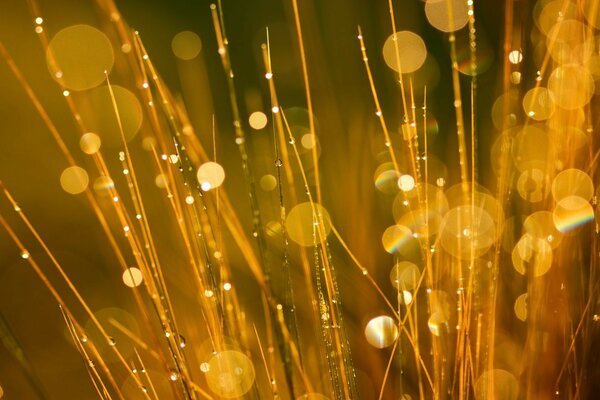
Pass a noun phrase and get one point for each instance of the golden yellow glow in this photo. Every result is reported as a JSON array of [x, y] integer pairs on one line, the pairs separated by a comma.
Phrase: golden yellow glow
[[533, 185], [386, 178], [540, 225], [447, 15], [90, 143], [210, 175], [571, 85], [453, 142], [303, 226], [405, 275], [406, 183], [381, 332], [591, 12], [395, 238], [468, 231], [538, 104], [103, 185], [572, 212], [186, 45], [532, 255], [406, 46], [548, 13], [132, 277], [515, 57], [74, 180], [521, 307], [497, 384], [572, 182], [79, 57], [230, 374], [308, 141], [258, 120], [101, 117], [268, 183]]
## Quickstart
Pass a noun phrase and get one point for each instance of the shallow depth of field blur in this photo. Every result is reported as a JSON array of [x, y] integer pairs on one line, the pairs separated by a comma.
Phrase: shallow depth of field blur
[[217, 209]]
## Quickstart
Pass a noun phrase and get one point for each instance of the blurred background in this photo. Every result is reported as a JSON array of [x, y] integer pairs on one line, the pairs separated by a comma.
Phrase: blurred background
[[38, 358]]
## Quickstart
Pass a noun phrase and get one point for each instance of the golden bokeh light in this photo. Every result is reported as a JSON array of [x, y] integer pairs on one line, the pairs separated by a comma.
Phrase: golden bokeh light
[[100, 114], [538, 104], [258, 120], [572, 212], [406, 183], [540, 225], [405, 276], [90, 143], [447, 15], [186, 45], [468, 231], [132, 277], [395, 238], [74, 180], [532, 255], [379, 201], [515, 57], [497, 384], [591, 12], [308, 141], [571, 85], [436, 323], [548, 13], [533, 185], [79, 57], [404, 52], [103, 185], [532, 147], [567, 41], [520, 307], [210, 175], [572, 182], [381, 332], [268, 183], [308, 223], [439, 317], [386, 178], [230, 374]]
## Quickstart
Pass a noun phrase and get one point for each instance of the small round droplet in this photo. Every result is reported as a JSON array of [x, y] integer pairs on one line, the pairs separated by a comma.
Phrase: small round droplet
[[381, 332]]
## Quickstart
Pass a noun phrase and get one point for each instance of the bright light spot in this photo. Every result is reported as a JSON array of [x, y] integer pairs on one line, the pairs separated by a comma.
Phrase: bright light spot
[[515, 57], [381, 332], [186, 45], [74, 180], [132, 277], [90, 143], [258, 120], [210, 175], [406, 183], [82, 54]]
